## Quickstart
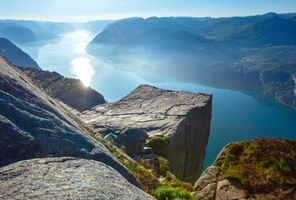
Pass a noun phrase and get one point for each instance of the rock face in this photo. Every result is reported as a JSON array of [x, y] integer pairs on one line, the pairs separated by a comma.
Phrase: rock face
[[33, 125], [183, 116], [262, 169], [65, 178], [65, 89], [16, 55]]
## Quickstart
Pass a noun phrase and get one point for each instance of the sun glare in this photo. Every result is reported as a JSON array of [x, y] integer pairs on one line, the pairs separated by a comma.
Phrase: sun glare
[[83, 70]]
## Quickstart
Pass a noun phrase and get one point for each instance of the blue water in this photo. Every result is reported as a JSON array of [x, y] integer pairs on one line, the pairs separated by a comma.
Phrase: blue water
[[236, 116]]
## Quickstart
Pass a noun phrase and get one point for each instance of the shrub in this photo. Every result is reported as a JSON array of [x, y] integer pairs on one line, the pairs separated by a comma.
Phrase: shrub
[[159, 144], [163, 166]]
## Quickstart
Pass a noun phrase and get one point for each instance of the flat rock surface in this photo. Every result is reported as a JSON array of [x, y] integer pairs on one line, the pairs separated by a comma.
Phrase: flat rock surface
[[65, 178], [33, 125], [154, 110]]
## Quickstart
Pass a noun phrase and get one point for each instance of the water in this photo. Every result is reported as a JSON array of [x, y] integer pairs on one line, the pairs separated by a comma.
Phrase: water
[[236, 116]]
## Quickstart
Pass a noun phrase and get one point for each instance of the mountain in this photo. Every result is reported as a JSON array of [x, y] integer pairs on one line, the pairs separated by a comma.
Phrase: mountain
[[252, 54], [65, 89], [16, 55], [26, 31], [257, 169]]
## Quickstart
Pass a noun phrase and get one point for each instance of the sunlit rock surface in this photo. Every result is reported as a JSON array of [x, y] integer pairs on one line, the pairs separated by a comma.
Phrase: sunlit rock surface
[[65, 178], [183, 116], [33, 125]]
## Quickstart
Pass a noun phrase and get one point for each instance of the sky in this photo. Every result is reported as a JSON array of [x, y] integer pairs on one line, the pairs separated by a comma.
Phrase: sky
[[84, 10]]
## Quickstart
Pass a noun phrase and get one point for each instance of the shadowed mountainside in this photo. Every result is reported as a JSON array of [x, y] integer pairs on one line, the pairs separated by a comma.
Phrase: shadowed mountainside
[[251, 54], [15, 54], [68, 90]]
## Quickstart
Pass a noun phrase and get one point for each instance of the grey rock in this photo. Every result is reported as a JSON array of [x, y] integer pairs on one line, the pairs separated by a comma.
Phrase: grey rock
[[68, 90], [205, 186], [133, 140], [33, 125], [183, 116], [230, 189], [65, 178]]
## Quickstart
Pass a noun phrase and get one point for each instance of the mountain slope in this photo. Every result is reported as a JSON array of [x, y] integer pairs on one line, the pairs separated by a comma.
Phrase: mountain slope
[[15, 54], [33, 125], [65, 89]]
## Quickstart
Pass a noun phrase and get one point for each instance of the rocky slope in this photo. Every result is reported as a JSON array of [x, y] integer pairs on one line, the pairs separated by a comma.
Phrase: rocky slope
[[261, 169], [149, 112], [33, 125], [68, 90], [65, 178], [15, 54]]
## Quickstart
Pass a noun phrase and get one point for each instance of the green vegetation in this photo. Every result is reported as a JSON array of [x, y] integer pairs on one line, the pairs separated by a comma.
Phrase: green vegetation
[[260, 163], [159, 144], [169, 193]]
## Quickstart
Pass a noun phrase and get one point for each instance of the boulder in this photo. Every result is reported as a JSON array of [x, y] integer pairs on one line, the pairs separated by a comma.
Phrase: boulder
[[205, 186], [184, 117], [230, 189], [65, 178]]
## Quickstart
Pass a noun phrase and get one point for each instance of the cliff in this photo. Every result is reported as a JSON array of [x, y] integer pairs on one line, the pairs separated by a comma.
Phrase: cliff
[[258, 169], [68, 90], [149, 112], [34, 125]]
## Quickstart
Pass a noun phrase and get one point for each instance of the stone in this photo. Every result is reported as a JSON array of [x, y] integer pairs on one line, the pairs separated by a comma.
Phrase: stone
[[34, 125], [184, 117], [230, 189], [133, 140], [205, 186], [65, 178], [68, 90]]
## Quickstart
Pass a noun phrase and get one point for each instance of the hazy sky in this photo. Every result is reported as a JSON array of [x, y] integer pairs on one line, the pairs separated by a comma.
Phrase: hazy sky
[[81, 10]]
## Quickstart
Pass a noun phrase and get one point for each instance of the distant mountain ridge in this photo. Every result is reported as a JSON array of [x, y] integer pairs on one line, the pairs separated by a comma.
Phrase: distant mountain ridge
[[252, 54]]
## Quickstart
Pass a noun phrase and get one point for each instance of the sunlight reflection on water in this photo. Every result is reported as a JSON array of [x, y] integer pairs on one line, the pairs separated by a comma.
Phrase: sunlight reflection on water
[[81, 65]]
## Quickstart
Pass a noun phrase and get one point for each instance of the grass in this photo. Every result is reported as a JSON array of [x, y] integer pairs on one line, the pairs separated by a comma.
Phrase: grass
[[169, 193], [260, 164]]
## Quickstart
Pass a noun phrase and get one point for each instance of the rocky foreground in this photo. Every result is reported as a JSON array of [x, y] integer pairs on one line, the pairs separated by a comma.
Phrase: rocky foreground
[[149, 112], [262, 169], [34, 125], [65, 178]]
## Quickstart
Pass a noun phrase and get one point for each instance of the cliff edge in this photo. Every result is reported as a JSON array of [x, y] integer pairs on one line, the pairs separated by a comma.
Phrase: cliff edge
[[150, 112]]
